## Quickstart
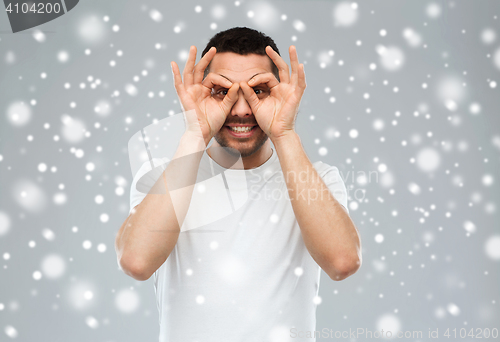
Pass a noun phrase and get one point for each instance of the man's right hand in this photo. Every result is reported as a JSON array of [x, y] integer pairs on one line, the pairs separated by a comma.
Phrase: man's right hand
[[203, 113]]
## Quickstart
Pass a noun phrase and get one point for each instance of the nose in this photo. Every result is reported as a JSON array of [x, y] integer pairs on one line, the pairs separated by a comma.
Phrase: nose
[[241, 107]]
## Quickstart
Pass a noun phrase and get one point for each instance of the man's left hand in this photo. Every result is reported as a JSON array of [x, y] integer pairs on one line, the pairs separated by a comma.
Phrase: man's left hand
[[277, 104]]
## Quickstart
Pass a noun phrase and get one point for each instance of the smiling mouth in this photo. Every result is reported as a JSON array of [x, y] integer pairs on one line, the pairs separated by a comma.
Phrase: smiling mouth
[[241, 131], [241, 128]]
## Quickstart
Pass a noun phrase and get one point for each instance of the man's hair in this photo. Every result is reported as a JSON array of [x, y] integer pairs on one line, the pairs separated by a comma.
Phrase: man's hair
[[243, 41]]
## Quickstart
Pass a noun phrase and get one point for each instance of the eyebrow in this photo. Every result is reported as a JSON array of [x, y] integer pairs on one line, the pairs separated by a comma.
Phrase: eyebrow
[[248, 79]]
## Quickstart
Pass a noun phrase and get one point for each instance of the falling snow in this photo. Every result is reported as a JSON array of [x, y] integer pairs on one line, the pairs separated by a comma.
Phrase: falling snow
[[406, 107]]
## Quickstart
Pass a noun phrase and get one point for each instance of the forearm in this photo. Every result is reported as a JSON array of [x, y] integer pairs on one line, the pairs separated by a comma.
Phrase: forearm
[[151, 231], [327, 230]]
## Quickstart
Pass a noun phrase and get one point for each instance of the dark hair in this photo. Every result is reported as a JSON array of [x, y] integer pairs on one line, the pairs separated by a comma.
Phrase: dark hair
[[243, 41]]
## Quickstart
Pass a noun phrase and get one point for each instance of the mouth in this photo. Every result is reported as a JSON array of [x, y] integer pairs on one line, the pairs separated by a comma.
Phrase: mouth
[[241, 131]]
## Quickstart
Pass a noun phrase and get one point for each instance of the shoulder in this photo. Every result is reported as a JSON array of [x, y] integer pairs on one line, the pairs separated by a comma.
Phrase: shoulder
[[333, 179]]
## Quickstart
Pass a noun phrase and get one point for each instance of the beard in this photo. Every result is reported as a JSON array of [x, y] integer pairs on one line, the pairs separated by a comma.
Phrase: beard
[[245, 147]]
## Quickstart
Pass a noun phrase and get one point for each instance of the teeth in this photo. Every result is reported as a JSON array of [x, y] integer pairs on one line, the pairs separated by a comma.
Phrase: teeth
[[241, 129]]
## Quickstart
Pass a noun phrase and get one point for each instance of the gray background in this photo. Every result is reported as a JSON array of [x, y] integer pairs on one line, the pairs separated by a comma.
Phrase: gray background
[[432, 269]]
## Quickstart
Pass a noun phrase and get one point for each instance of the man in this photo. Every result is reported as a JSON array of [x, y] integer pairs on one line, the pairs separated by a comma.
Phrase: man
[[252, 273]]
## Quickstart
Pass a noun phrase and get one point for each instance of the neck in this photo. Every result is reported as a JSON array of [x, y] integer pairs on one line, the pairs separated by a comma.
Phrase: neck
[[220, 156]]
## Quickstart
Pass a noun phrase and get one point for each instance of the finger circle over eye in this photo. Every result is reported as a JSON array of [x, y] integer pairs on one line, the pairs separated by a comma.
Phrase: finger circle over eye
[[267, 78], [213, 79]]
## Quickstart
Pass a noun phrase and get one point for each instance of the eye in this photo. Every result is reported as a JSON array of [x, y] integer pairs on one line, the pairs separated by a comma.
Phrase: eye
[[261, 93], [221, 92]]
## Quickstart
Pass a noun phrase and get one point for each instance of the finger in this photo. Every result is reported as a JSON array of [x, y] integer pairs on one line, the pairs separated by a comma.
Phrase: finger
[[213, 80], [250, 96], [199, 69], [301, 77], [267, 78], [280, 64], [188, 68], [294, 62], [179, 87], [230, 98]]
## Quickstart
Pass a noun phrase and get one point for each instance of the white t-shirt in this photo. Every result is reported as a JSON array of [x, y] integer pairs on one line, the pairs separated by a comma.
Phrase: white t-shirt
[[240, 270]]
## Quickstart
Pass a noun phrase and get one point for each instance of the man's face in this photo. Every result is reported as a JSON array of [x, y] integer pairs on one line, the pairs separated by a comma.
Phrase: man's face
[[237, 68]]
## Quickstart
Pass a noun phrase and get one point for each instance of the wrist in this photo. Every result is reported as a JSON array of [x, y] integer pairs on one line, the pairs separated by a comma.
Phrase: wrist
[[194, 140], [285, 138]]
